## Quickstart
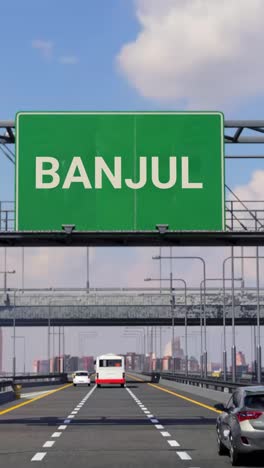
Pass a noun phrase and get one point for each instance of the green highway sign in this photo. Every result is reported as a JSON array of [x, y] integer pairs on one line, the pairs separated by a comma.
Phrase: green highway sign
[[112, 171]]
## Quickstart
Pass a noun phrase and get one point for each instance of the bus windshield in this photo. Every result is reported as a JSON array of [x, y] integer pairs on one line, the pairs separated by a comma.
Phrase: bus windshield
[[110, 363]]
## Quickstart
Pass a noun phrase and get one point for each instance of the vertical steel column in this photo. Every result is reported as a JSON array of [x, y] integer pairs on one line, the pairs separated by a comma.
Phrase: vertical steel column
[[204, 313], [87, 269], [255, 350], [23, 268], [242, 270], [233, 351], [49, 336], [224, 327], [59, 349], [63, 349], [258, 320], [186, 329], [201, 337], [160, 353], [5, 272], [160, 268], [14, 336], [172, 322]]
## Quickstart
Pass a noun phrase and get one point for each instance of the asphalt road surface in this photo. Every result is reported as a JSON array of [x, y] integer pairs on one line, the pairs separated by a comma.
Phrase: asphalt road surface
[[137, 426]]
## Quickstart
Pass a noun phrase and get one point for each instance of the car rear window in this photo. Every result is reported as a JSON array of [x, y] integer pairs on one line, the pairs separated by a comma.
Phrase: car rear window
[[110, 363], [255, 402], [81, 374]]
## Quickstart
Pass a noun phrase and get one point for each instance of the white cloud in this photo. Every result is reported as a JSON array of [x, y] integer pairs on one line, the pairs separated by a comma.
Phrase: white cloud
[[45, 47], [254, 189], [203, 53], [68, 60]]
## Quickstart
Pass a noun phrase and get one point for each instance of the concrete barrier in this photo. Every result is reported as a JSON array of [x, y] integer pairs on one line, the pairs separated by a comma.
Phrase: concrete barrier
[[214, 395]]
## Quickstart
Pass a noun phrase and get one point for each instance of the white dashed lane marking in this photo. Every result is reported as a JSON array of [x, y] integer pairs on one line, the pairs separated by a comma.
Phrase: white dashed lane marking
[[184, 456], [173, 443], [56, 434], [49, 443], [38, 456]]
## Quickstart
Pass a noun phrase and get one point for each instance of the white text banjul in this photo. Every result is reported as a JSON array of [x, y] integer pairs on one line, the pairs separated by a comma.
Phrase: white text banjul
[[48, 173]]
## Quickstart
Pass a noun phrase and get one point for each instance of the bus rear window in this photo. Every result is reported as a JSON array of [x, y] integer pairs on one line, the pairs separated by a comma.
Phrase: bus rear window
[[110, 363]]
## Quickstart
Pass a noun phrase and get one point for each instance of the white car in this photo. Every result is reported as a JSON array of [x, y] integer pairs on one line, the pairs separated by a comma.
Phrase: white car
[[81, 377]]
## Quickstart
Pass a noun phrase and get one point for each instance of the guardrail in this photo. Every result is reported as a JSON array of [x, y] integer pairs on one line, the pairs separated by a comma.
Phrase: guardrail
[[5, 384], [34, 379]]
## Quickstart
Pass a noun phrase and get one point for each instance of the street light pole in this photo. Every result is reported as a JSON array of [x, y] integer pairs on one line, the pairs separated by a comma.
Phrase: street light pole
[[87, 269], [203, 355], [172, 324], [14, 335], [232, 257], [258, 320]]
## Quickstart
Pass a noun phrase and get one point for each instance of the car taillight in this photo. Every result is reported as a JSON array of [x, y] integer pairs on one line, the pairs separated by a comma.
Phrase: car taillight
[[246, 415]]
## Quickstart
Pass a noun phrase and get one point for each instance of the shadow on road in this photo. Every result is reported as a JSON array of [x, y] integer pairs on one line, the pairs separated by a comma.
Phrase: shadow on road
[[53, 421]]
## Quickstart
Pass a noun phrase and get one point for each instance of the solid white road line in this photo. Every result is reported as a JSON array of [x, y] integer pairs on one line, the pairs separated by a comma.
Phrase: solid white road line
[[184, 456], [49, 443], [173, 443], [165, 434], [56, 434], [38, 456]]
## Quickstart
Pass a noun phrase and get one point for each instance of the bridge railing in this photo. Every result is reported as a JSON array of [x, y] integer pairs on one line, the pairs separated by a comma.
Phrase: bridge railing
[[240, 215]]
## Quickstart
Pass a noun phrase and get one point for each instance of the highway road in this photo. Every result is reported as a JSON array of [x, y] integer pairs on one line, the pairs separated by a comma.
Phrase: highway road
[[142, 424]]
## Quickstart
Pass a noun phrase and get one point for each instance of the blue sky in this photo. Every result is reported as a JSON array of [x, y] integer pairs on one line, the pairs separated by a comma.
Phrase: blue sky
[[39, 36]]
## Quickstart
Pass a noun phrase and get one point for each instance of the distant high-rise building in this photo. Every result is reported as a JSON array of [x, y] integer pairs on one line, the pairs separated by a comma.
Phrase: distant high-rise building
[[87, 363], [178, 351], [1, 350], [240, 359]]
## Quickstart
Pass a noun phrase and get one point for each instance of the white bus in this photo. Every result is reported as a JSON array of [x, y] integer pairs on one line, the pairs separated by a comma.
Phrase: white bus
[[110, 369]]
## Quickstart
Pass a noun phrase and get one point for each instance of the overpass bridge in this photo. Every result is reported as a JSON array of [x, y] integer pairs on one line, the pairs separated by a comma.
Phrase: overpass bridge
[[126, 307]]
